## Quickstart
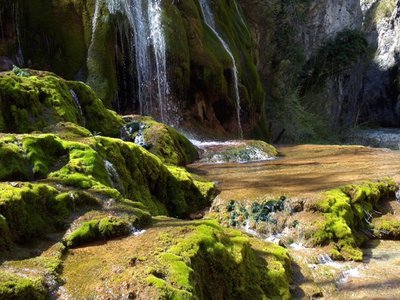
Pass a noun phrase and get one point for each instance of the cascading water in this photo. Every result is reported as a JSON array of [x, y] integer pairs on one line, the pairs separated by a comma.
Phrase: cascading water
[[78, 104], [95, 21], [149, 48], [210, 22], [159, 45]]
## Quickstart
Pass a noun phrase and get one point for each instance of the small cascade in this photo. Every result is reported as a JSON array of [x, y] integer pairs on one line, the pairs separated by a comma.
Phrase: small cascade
[[137, 232], [325, 259], [112, 172], [210, 22], [240, 151], [247, 228], [398, 195], [78, 104], [139, 139], [148, 47]]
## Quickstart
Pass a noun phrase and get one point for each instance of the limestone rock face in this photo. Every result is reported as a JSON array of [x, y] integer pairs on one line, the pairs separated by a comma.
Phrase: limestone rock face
[[367, 90], [327, 18], [381, 91]]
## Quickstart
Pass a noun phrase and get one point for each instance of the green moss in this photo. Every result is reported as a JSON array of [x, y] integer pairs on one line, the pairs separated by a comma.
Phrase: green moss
[[143, 177], [42, 151], [34, 102], [93, 230], [110, 167], [98, 119], [241, 152], [18, 287], [386, 227], [102, 73], [5, 235], [27, 209], [348, 211], [13, 162], [67, 130], [212, 263], [164, 141]]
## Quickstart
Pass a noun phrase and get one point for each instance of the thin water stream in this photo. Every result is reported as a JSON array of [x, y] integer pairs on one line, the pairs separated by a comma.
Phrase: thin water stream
[[210, 21]]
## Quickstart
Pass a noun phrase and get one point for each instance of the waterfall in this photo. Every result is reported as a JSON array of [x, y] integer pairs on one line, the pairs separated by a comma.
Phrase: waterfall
[[210, 22], [158, 39], [149, 48]]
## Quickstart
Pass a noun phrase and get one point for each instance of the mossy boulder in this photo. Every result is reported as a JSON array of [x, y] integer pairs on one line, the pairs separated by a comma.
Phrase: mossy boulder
[[177, 259], [18, 287], [236, 151], [210, 262], [110, 166], [32, 100], [348, 214], [98, 229], [387, 227], [167, 143]]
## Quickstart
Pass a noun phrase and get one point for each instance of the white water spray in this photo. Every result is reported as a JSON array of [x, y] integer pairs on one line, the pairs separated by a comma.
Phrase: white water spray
[[149, 49]]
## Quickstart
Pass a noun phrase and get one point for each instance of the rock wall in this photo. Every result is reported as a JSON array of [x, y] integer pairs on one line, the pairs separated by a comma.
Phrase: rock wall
[[365, 92], [381, 103]]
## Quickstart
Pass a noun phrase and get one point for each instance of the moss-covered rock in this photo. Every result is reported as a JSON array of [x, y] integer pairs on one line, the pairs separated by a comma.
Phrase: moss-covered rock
[[31, 278], [164, 141], [236, 151], [18, 287], [387, 227], [176, 259], [214, 263], [348, 214], [39, 99], [110, 166], [98, 229], [29, 210]]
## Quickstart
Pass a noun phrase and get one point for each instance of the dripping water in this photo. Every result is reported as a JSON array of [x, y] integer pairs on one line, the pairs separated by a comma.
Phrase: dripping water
[[78, 104], [112, 172], [210, 22]]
